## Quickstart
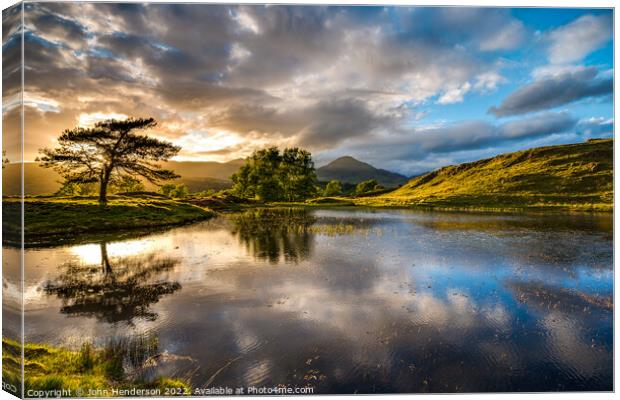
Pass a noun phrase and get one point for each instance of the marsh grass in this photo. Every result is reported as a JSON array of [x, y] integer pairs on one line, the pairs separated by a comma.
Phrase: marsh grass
[[49, 368], [344, 229]]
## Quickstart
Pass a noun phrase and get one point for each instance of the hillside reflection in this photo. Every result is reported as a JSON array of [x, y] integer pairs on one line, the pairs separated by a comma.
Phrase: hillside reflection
[[117, 290]]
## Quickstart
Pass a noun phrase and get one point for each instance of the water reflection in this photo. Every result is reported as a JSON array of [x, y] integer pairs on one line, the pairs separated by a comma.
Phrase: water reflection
[[271, 234], [602, 224], [121, 290], [369, 301]]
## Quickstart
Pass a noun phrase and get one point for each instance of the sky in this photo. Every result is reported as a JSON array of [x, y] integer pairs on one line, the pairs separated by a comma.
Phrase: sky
[[408, 89]]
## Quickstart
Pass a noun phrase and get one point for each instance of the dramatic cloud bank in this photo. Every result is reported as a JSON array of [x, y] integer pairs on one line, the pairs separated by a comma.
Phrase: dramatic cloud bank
[[555, 91], [225, 80]]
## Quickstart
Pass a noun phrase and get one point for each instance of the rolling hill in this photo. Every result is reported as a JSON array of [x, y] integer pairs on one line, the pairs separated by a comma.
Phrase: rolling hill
[[197, 175], [570, 177], [349, 170]]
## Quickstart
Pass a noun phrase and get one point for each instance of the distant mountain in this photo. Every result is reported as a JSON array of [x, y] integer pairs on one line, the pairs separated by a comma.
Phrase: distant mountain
[[200, 184], [349, 170], [205, 169], [197, 175], [573, 176]]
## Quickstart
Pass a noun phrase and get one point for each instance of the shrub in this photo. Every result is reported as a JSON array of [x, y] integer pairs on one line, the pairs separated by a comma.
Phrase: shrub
[[171, 190], [333, 188], [367, 186]]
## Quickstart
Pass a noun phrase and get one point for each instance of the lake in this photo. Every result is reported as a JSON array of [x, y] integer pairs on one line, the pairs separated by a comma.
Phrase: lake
[[344, 300]]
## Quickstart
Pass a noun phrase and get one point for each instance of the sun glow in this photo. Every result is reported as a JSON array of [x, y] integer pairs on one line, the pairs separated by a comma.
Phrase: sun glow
[[208, 145], [86, 119], [91, 253]]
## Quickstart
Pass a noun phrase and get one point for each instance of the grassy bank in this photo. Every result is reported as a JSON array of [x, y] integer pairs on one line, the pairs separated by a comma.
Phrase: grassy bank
[[67, 218], [575, 177], [316, 202], [53, 368]]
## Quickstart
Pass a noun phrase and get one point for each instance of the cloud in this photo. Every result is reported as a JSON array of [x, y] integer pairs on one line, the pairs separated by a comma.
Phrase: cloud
[[425, 149], [596, 127], [319, 124], [579, 38], [483, 29], [419, 150], [333, 79], [508, 37], [335, 121], [314, 76], [488, 81], [555, 70], [478, 134], [57, 29], [454, 95], [555, 91], [536, 126]]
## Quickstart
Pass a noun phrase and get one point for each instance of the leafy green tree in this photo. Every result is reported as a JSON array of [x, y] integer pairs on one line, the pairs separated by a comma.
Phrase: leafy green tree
[[167, 189], [367, 186], [259, 176], [206, 193], [268, 175], [297, 174], [76, 189], [333, 188], [128, 184], [109, 150], [174, 191], [181, 192]]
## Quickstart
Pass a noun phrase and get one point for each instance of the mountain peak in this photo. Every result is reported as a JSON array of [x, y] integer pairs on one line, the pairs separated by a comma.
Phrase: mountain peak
[[348, 162], [348, 169], [345, 158]]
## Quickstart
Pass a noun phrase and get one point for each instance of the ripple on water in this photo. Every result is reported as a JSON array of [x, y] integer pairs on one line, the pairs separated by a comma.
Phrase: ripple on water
[[425, 305], [247, 342], [257, 372]]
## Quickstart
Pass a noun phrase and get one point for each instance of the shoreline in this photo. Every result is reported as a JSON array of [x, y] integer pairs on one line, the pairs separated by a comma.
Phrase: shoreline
[[472, 209], [72, 220], [164, 214]]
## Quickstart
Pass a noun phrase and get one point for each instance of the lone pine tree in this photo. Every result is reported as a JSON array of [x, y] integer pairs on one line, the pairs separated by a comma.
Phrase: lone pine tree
[[109, 151]]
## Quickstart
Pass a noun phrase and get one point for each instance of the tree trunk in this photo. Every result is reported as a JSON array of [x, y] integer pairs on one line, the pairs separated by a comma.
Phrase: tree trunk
[[103, 188], [105, 261]]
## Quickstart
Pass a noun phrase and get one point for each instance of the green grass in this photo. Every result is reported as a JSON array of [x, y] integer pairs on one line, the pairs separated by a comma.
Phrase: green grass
[[49, 368], [67, 218], [575, 177], [330, 201], [222, 201]]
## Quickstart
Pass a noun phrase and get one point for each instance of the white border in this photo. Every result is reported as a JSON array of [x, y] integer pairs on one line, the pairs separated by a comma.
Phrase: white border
[[483, 3]]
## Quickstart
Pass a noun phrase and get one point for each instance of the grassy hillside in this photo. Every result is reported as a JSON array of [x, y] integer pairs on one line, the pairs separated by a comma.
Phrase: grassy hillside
[[352, 171], [566, 177]]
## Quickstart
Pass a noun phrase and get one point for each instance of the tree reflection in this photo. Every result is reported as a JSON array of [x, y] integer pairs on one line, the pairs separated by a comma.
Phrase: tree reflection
[[120, 290], [270, 234]]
